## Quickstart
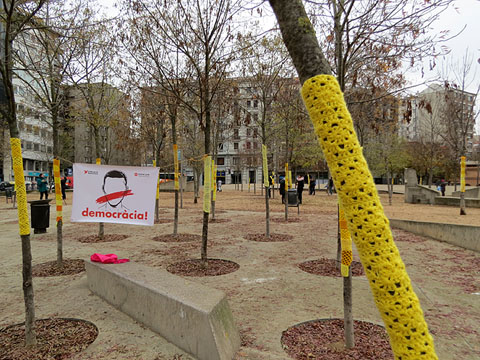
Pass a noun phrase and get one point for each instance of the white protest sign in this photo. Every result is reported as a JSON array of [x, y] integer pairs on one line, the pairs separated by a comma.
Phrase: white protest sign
[[114, 194]]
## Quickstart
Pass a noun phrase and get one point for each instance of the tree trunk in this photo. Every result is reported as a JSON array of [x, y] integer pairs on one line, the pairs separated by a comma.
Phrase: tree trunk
[[462, 204], [347, 310], [339, 241], [267, 213], [389, 188], [59, 244], [175, 218], [28, 296], [300, 39], [156, 209]]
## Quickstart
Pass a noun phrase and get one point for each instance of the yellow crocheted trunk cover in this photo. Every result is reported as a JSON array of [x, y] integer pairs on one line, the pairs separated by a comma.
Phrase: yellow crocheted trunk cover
[[23, 222], [389, 281], [58, 189], [346, 241]]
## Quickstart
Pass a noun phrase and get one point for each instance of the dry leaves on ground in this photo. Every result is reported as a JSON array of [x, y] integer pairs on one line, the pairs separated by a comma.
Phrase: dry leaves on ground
[[106, 238], [50, 268], [273, 237], [324, 340], [328, 267], [56, 339], [195, 267]]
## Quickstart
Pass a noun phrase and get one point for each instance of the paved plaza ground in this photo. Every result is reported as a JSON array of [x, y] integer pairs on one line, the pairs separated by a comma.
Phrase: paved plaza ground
[[269, 292]]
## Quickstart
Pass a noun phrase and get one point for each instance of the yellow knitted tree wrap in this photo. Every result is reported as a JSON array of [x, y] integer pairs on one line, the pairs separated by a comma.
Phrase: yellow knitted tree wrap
[[207, 183], [389, 281], [23, 221], [58, 189], [346, 242]]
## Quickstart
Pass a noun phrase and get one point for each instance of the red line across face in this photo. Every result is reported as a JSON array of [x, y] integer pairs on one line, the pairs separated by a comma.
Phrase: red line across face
[[113, 196]]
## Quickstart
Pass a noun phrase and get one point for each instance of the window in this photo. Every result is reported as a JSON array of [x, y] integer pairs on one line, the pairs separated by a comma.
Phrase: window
[[249, 145], [235, 146], [235, 134], [255, 133], [43, 148], [248, 118], [249, 131], [36, 130], [28, 145], [220, 161], [236, 161], [255, 144], [49, 149], [255, 117], [249, 103], [43, 133], [36, 147], [255, 103], [29, 128], [220, 147]]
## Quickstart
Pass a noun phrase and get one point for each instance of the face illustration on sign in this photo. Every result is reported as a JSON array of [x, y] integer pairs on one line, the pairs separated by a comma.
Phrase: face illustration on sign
[[115, 189]]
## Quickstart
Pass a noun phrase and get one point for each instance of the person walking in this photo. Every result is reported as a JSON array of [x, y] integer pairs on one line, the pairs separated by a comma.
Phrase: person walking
[[63, 184], [330, 186], [443, 185], [300, 185], [311, 186], [42, 186], [282, 188]]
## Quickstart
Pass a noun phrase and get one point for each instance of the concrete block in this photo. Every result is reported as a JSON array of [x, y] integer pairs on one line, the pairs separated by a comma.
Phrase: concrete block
[[192, 316], [465, 236]]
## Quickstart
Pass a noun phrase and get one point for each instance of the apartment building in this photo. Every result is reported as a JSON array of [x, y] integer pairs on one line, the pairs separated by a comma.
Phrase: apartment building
[[33, 121], [440, 114]]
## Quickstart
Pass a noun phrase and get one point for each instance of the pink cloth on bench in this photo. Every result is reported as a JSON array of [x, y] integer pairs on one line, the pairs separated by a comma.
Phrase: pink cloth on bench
[[107, 259]]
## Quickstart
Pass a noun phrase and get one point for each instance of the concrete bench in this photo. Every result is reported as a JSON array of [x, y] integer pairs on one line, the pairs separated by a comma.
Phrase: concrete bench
[[192, 316]]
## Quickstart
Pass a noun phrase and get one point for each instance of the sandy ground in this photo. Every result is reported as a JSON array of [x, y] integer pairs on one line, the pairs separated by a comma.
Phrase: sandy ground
[[269, 292]]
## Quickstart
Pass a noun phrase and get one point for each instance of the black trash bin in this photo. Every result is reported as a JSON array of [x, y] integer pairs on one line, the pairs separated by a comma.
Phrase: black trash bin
[[40, 212], [292, 197]]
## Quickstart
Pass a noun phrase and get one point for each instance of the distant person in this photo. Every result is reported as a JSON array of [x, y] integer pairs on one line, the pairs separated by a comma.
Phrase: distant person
[[330, 187], [443, 185], [63, 183], [300, 185], [219, 185], [311, 186], [282, 188], [42, 186]]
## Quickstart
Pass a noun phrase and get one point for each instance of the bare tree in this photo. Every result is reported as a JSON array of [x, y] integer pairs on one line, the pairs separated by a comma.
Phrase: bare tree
[[16, 17], [42, 65]]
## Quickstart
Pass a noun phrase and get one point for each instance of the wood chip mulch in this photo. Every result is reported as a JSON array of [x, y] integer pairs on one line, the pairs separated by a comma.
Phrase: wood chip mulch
[[328, 267], [177, 238], [324, 339], [56, 339], [163, 221], [273, 237], [70, 267], [282, 220], [194, 267], [213, 221], [106, 238]]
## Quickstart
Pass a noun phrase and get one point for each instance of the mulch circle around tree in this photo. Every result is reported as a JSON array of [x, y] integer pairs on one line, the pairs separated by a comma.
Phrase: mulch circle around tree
[[106, 238], [56, 339], [282, 220], [177, 238], [163, 221], [324, 339], [272, 238], [70, 267], [328, 267], [194, 267], [213, 221]]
